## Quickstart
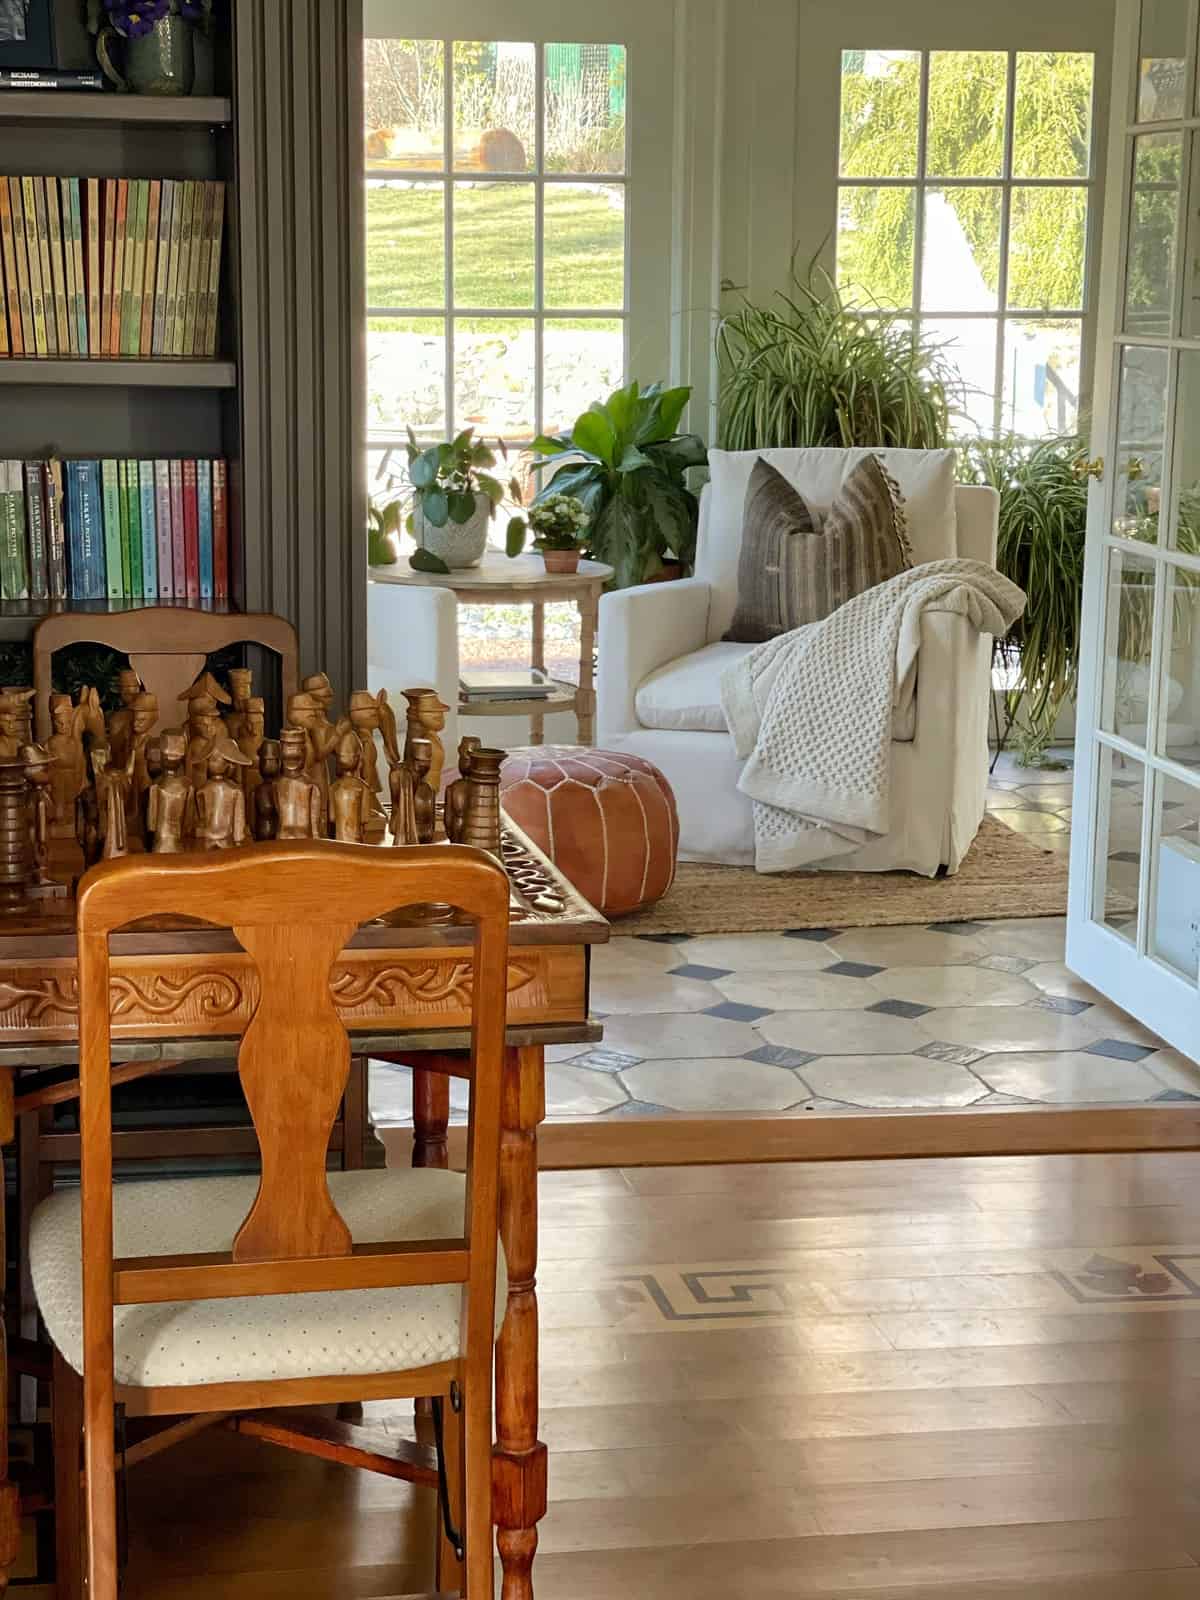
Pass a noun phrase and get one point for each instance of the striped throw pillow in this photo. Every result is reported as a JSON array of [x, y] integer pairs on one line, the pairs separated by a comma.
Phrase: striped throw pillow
[[792, 571]]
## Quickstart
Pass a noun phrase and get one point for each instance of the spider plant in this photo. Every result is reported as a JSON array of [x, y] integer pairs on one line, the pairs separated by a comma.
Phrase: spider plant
[[815, 368], [1043, 519]]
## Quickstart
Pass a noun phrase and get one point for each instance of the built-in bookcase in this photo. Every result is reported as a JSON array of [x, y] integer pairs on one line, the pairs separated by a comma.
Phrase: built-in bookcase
[[107, 406]]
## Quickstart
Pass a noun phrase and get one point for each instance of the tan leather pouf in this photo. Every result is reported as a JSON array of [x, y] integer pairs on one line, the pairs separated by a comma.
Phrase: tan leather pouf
[[606, 819]]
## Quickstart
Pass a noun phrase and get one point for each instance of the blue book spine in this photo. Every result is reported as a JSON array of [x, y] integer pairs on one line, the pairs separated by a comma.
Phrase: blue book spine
[[92, 520], [149, 532], [204, 506], [75, 568]]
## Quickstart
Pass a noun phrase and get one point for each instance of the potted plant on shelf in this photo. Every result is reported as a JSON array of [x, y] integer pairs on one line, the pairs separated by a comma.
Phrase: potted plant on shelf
[[455, 496], [558, 523], [625, 463]]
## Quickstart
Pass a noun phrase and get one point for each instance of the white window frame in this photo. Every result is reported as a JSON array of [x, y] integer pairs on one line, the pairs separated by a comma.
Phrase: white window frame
[[922, 182], [380, 438]]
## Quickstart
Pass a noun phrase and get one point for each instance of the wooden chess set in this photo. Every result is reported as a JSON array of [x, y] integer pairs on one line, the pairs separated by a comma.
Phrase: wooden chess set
[[121, 784]]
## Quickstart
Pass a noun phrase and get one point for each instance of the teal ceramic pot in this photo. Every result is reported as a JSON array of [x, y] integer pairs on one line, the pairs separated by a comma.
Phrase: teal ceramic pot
[[160, 62]]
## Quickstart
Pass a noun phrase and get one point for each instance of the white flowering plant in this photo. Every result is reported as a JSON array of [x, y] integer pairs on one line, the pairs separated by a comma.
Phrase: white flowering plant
[[557, 522]]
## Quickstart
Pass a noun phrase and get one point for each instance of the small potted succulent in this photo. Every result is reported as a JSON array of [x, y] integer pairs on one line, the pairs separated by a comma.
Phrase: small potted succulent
[[455, 496], [158, 37], [558, 523]]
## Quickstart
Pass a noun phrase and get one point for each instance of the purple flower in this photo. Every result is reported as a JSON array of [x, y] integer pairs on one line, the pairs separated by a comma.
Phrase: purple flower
[[134, 18]]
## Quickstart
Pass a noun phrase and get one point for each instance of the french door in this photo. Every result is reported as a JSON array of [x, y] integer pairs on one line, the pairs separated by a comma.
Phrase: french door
[[1134, 919]]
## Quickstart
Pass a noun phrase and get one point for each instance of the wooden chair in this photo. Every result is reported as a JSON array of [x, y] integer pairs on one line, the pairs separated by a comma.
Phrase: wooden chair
[[262, 1267]]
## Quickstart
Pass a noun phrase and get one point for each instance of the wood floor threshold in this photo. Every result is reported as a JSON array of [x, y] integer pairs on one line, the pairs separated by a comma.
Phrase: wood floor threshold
[[679, 1139]]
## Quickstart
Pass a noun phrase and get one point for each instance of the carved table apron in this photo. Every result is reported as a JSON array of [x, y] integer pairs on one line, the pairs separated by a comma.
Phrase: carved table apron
[[402, 987]]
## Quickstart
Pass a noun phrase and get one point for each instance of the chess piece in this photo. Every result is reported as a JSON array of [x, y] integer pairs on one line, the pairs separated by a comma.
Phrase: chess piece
[[241, 689], [91, 714], [402, 784], [424, 794], [112, 797], [206, 684], [120, 724], [153, 757], [366, 719], [87, 825], [65, 747], [171, 800], [264, 814], [481, 819], [14, 722], [298, 799], [16, 845], [350, 799], [204, 727], [426, 719], [249, 742], [454, 806], [320, 688], [221, 803], [39, 771], [305, 711], [143, 712]]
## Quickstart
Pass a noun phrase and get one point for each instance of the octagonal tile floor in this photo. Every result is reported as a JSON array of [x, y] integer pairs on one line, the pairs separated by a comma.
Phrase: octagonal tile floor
[[967, 1014]]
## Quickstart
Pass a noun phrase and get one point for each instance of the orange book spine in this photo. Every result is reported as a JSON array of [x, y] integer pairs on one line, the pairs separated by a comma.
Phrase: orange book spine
[[113, 341]]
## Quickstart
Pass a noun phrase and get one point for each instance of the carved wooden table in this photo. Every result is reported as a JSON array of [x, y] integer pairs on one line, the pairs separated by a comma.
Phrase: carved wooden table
[[402, 987]]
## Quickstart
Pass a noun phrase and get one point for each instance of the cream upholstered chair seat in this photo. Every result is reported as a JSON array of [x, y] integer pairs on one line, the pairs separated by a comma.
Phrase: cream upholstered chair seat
[[266, 1336]]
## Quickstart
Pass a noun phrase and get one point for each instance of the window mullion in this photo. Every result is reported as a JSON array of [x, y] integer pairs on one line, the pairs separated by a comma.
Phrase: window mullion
[[448, 230], [539, 221], [919, 206], [1006, 196]]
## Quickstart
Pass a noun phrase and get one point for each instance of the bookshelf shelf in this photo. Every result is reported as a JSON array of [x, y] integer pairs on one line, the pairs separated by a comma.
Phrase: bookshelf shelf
[[18, 618], [115, 110], [114, 374]]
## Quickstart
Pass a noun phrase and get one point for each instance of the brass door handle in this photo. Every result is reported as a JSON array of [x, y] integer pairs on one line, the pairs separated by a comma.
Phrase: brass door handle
[[1083, 468]]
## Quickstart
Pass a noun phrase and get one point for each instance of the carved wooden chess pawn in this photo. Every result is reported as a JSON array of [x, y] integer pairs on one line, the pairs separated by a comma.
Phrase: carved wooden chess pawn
[[14, 722], [298, 798], [481, 820], [454, 806], [319, 687], [204, 728], [402, 784], [171, 802], [424, 794], [241, 689], [221, 804], [153, 757], [350, 798], [120, 724], [306, 712], [249, 742], [65, 747], [39, 770], [143, 711], [112, 797], [16, 845], [264, 814], [426, 719]]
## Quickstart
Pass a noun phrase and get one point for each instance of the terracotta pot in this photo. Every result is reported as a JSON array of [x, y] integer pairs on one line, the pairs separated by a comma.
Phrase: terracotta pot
[[670, 571], [561, 560]]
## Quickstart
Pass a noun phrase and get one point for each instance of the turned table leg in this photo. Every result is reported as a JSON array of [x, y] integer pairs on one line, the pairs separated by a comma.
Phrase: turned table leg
[[431, 1117], [537, 656], [519, 1459], [10, 1509], [585, 699]]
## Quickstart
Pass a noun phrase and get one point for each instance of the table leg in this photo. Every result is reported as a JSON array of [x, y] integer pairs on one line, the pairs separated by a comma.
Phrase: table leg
[[537, 655], [10, 1509], [585, 700], [431, 1118], [519, 1459]]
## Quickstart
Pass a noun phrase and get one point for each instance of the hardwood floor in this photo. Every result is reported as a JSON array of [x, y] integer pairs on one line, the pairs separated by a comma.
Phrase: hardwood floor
[[959, 1380]]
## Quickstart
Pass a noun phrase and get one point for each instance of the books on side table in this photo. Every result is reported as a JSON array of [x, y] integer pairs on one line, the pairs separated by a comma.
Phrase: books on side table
[[114, 530], [110, 267], [505, 683]]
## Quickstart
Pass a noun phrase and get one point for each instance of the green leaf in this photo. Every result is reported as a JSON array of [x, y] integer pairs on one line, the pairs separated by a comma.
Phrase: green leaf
[[514, 538], [426, 561], [490, 487], [586, 480], [461, 507], [594, 433], [675, 456], [632, 460], [424, 470], [551, 444], [436, 506], [669, 406], [390, 519], [481, 456], [625, 409], [674, 513]]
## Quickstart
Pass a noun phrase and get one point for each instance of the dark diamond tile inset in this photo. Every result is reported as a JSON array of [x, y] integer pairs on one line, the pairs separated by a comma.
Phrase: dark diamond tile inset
[[664, 938], [961, 1054], [964, 929], [733, 1012], [1062, 1003], [899, 1008], [778, 1055], [817, 935], [1015, 965], [853, 969], [1119, 1049], [692, 969], [1173, 1095], [605, 1060], [635, 1108]]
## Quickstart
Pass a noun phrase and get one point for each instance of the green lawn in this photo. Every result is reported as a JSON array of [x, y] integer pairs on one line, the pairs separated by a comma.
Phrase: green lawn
[[494, 246]]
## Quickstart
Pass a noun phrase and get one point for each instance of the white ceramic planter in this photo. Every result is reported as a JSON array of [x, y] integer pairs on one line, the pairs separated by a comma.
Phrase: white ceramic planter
[[459, 544]]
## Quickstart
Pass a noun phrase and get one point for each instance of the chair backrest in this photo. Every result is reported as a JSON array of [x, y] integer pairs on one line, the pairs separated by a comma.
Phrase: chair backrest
[[932, 502], [292, 906], [166, 646]]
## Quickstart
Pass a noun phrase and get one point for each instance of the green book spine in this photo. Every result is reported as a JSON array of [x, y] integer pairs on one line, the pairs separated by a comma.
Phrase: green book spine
[[123, 508], [111, 498], [14, 564], [133, 525]]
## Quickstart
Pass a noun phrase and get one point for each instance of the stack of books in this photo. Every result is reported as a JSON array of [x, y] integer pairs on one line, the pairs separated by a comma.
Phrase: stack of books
[[115, 530], [126, 267], [495, 684]]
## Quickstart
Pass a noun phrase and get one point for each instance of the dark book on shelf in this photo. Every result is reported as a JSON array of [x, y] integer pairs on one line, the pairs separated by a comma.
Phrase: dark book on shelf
[[35, 527]]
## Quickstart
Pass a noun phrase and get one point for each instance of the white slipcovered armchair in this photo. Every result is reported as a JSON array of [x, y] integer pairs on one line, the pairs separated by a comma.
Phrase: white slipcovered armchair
[[661, 656]]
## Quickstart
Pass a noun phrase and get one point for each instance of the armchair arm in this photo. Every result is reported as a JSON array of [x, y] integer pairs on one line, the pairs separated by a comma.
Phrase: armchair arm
[[954, 685], [642, 629]]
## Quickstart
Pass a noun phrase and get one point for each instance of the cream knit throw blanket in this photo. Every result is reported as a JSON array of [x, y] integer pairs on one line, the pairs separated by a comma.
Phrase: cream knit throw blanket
[[811, 712]]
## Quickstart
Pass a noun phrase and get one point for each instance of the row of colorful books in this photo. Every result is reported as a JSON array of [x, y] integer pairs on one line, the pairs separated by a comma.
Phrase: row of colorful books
[[114, 530], [126, 267]]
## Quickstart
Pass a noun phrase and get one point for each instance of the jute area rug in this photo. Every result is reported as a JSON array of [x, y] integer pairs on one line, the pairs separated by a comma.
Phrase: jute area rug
[[1003, 875]]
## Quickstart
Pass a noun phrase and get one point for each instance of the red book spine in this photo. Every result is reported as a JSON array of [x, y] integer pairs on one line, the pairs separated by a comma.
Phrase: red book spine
[[191, 531], [178, 566], [220, 514], [162, 529]]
